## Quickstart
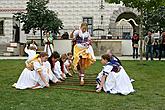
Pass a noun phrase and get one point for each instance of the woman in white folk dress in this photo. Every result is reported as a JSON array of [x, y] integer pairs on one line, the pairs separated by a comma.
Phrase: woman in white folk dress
[[55, 65], [48, 71], [24, 80], [48, 40], [33, 75], [31, 51], [113, 78], [123, 83], [59, 69]]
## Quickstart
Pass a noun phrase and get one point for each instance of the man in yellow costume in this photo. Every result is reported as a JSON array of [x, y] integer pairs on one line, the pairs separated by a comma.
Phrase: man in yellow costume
[[83, 52]]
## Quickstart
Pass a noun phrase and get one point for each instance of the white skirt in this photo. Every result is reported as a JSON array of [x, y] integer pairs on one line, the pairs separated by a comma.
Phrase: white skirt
[[118, 83], [48, 49], [27, 79]]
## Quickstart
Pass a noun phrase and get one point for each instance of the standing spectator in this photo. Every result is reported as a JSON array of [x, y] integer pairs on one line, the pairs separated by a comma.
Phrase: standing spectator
[[48, 44], [135, 45], [162, 45], [73, 41], [65, 35], [156, 49], [149, 42]]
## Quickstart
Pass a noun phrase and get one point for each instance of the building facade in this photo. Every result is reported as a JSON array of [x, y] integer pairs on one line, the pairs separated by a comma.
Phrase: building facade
[[103, 18]]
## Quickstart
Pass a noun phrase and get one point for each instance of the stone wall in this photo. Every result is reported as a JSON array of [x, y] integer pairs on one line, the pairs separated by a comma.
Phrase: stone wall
[[8, 35], [118, 47], [101, 46]]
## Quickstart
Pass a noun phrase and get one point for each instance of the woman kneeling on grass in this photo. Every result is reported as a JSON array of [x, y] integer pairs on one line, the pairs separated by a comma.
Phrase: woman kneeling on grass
[[35, 74], [113, 78]]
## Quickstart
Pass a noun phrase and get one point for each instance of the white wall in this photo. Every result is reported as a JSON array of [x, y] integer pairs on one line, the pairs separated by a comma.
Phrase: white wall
[[126, 47], [62, 46]]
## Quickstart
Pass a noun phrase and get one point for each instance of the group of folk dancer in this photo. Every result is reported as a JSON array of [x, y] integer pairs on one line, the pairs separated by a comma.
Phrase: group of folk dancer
[[50, 66]]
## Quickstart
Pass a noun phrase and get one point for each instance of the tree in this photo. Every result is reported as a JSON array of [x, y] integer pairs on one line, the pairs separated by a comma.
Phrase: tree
[[38, 16], [142, 6], [155, 19], [145, 4]]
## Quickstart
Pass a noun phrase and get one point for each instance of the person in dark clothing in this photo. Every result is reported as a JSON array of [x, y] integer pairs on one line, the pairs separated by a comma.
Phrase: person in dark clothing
[[65, 35], [156, 49], [149, 42], [135, 45], [162, 45]]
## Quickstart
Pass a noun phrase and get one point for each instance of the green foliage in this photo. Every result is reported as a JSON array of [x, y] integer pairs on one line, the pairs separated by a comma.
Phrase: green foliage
[[145, 4], [38, 16], [149, 85], [152, 14], [155, 19], [52, 22]]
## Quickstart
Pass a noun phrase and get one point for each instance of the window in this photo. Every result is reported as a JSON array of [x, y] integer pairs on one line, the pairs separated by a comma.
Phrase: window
[[126, 35], [1, 27], [89, 21]]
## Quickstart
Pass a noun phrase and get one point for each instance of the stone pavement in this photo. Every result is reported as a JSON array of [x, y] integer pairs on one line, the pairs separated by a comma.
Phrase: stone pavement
[[97, 57]]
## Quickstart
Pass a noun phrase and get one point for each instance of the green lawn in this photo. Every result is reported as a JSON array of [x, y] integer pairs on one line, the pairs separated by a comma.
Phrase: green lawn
[[149, 86]]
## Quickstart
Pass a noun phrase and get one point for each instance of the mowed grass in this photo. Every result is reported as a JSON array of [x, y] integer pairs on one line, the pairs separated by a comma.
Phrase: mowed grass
[[149, 85]]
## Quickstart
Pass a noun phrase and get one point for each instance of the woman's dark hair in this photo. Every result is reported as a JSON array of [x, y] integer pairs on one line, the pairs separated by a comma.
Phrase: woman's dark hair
[[55, 55], [69, 53], [63, 56], [106, 57]]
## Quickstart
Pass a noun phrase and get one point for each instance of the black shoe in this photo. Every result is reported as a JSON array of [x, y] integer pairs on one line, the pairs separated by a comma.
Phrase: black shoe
[[69, 75]]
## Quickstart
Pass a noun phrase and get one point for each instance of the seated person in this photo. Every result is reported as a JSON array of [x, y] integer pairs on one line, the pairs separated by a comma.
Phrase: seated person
[[56, 66], [68, 64], [34, 76], [113, 80]]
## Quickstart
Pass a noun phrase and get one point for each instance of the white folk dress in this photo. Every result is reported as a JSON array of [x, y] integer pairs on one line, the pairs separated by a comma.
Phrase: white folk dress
[[31, 53], [48, 45], [43, 67], [57, 70], [49, 72], [27, 78], [115, 82]]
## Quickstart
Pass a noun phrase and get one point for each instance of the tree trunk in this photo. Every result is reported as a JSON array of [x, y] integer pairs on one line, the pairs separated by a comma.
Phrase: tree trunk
[[141, 34], [41, 36]]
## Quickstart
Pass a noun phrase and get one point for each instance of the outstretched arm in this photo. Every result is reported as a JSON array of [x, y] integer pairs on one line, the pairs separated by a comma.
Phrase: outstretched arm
[[42, 78], [101, 83]]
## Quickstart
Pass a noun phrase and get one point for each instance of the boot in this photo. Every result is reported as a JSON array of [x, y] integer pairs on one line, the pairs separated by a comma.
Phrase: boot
[[82, 79]]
